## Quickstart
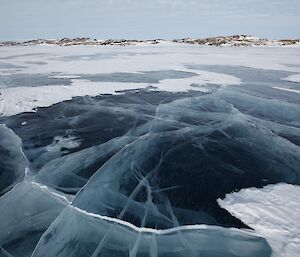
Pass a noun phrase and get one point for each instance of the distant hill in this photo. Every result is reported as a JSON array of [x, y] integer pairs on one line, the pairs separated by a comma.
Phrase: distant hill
[[233, 41]]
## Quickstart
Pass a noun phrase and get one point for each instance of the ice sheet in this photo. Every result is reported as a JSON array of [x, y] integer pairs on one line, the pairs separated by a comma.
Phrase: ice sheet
[[67, 63]]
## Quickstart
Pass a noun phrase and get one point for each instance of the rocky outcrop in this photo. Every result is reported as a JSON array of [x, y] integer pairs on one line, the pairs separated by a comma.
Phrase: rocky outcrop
[[71, 42], [237, 41], [234, 41]]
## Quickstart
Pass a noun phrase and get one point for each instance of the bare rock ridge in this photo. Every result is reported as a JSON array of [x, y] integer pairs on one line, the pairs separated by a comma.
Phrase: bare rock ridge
[[233, 41], [77, 41], [239, 40]]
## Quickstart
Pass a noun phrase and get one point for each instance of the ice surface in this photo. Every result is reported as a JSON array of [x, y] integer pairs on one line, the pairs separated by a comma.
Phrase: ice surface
[[66, 65], [150, 139], [70, 173], [160, 180], [14, 100], [12, 160], [25, 213], [30, 80], [124, 115], [76, 233]]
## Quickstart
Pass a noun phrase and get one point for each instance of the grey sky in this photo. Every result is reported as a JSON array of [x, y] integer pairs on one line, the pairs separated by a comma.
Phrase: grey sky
[[26, 19]]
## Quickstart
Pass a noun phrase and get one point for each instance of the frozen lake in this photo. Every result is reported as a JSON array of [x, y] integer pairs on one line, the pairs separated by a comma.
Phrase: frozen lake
[[149, 150]]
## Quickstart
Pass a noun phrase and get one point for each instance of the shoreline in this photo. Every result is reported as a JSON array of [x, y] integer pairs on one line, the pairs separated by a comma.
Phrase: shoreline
[[230, 41]]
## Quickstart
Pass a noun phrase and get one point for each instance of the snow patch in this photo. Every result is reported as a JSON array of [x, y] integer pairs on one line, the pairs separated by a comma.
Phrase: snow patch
[[273, 211], [60, 142], [16, 100], [293, 78], [288, 89]]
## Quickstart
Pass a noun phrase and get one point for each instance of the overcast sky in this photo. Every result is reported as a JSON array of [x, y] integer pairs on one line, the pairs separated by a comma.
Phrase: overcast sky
[[169, 19]]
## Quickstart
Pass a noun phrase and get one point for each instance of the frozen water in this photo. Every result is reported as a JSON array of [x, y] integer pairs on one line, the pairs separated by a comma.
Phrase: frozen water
[[18, 80], [25, 213], [5, 66], [160, 180], [70, 173], [75, 233], [12, 161], [149, 151]]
